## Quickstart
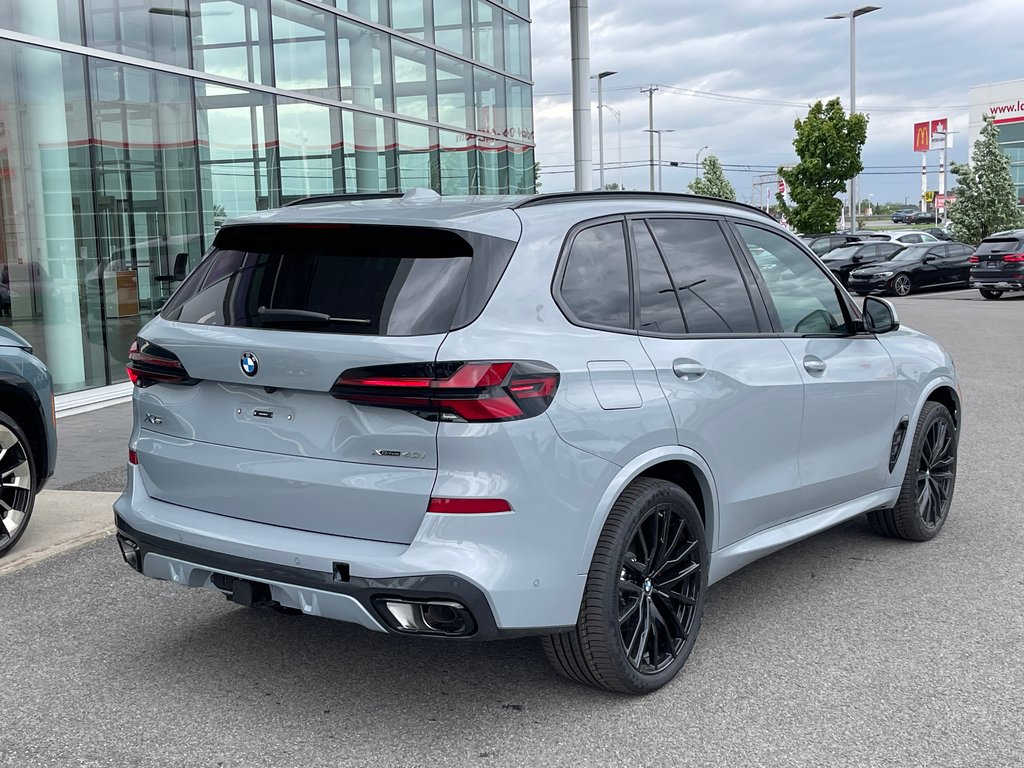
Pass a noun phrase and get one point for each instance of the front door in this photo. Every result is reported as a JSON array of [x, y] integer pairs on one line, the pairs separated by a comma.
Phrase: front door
[[849, 379], [735, 394]]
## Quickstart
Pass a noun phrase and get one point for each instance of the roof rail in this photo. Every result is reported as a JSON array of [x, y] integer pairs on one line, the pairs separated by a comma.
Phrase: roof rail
[[561, 197], [342, 197]]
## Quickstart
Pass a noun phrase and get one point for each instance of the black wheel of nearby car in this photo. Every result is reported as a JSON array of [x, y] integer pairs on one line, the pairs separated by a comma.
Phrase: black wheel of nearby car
[[990, 294], [927, 489], [900, 285], [644, 597], [863, 293], [17, 483]]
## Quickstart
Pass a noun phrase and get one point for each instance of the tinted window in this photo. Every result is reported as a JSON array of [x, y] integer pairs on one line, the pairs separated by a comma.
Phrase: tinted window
[[888, 249], [395, 281], [910, 238], [821, 246], [659, 307], [806, 300], [1001, 245], [706, 276], [595, 286]]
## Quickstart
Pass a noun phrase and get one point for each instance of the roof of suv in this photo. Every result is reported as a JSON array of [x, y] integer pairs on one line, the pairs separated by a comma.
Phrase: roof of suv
[[474, 213]]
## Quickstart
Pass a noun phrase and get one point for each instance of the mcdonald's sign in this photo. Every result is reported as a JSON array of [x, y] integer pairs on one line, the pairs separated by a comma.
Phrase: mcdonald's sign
[[922, 137]]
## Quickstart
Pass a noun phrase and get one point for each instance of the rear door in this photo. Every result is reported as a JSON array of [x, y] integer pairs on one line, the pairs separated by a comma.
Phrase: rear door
[[735, 393], [263, 330], [849, 380]]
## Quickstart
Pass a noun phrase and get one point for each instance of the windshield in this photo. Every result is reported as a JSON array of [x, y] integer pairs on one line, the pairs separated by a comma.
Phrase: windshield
[[845, 252]]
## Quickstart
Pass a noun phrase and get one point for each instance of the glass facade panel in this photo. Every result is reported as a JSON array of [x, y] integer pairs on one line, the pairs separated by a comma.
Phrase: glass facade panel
[[116, 175], [147, 29]]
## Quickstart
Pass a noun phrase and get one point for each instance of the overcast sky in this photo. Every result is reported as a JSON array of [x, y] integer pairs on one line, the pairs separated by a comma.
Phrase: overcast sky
[[915, 61]]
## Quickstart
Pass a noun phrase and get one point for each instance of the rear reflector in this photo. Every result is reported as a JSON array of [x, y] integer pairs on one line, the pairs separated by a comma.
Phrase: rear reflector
[[133, 457], [468, 506], [454, 391], [152, 364]]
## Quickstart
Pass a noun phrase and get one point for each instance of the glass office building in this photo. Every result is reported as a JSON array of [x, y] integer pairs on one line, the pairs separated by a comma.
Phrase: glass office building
[[131, 129]]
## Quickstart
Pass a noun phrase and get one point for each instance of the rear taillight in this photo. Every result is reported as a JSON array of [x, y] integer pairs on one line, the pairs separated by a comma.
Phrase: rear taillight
[[152, 364], [133, 457], [974, 260], [454, 391], [1014, 257]]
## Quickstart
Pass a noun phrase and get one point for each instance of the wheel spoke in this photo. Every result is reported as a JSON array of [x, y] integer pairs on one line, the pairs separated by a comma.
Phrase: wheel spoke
[[630, 587], [630, 611], [689, 570], [643, 626], [673, 625], [671, 597], [677, 559]]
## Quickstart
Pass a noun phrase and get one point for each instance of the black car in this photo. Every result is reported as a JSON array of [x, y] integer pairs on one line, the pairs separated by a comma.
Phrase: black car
[[900, 216], [919, 265], [997, 265], [822, 244], [920, 217], [849, 257], [939, 232]]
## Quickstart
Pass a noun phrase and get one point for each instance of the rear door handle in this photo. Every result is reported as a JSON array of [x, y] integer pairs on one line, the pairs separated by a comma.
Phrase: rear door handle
[[814, 364], [688, 370]]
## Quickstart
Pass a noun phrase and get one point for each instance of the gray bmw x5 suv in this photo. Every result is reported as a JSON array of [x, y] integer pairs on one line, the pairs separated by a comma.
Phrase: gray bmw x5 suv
[[564, 415]]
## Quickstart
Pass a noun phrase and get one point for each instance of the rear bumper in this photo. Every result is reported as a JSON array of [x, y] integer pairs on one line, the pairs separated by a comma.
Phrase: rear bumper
[[343, 578], [997, 284]]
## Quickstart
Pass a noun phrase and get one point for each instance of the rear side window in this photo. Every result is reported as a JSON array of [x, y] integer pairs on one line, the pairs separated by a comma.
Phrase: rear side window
[[346, 279], [660, 311], [707, 279], [595, 284]]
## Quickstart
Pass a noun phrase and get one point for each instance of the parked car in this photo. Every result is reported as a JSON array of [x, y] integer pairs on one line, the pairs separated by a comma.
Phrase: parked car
[[462, 418], [997, 266], [842, 260], [906, 236], [940, 233], [822, 244], [900, 216], [28, 435], [919, 265], [921, 217]]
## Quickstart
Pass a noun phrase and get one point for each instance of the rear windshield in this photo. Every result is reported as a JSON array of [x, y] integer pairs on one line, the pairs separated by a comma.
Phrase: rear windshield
[[349, 279], [1001, 245]]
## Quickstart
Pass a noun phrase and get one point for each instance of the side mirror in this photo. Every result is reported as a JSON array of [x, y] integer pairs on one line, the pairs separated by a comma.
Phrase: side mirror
[[879, 315], [857, 259], [928, 259]]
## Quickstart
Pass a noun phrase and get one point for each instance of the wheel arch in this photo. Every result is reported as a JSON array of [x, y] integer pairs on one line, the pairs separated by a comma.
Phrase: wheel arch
[[676, 464], [21, 403]]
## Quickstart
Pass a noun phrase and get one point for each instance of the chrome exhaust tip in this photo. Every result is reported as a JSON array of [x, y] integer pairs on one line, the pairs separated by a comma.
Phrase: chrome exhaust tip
[[130, 552], [446, 618]]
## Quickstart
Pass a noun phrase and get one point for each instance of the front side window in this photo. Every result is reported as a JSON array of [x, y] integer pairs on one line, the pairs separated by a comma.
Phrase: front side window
[[595, 285], [705, 275], [806, 300]]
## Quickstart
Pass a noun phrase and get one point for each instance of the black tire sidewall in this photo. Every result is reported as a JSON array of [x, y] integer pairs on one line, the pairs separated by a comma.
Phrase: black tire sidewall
[[990, 295], [8, 542], [631, 679], [931, 413]]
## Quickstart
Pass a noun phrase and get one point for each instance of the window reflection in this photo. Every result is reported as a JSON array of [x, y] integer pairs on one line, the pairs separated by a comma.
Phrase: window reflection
[[149, 29], [302, 57], [451, 25], [226, 37]]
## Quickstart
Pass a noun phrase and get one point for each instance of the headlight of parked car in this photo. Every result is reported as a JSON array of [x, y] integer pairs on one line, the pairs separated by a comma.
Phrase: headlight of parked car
[[883, 274]]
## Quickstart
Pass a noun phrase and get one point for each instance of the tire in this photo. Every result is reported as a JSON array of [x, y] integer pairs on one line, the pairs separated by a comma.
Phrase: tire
[[987, 294], [863, 293], [17, 483], [919, 516], [900, 285], [622, 598]]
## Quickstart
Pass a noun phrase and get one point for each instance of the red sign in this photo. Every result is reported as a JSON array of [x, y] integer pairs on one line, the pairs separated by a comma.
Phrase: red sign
[[939, 128], [782, 187], [922, 137]]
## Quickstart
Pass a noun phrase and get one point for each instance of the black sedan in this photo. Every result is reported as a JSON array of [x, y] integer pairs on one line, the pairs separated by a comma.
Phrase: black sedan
[[921, 217], [920, 265], [849, 257]]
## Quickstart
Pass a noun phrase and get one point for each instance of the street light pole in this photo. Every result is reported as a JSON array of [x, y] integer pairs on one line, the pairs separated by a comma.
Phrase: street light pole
[[579, 35], [659, 131], [696, 163], [650, 125], [618, 122], [852, 16], [600, 125]]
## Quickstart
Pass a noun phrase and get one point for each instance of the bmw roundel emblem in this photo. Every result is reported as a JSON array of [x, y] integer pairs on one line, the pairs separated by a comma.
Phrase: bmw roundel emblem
[[249, 364]]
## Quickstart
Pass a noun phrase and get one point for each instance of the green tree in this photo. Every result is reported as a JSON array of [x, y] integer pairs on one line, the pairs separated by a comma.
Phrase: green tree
[[712, 182], [986, 197], [612, 187], [536, 176], [828, 143]]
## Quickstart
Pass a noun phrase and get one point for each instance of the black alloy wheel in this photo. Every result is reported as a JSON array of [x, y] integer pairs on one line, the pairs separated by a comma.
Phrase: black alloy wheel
[[927, 490], [644, 597], [900, 285], [17, 483], [987, 294]]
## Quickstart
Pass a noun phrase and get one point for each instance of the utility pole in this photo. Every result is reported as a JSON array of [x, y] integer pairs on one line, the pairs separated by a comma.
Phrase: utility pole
[[600, 126], [650, 125]]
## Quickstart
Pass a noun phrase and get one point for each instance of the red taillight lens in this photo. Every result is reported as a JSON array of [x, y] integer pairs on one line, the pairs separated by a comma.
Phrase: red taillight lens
[[151, 364], [468, 506], [454, 391], [974, 260], [133, 457], [1014, 257]]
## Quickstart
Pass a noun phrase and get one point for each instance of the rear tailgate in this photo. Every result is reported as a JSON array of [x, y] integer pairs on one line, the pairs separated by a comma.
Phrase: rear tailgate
[[261, 335], [998, 257]]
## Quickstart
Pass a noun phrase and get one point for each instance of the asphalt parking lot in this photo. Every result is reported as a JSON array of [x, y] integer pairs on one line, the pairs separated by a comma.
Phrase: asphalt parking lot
[[845, 649]]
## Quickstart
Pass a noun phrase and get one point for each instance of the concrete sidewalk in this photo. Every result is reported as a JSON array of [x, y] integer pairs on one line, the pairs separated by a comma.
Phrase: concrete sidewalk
[[61, 521]]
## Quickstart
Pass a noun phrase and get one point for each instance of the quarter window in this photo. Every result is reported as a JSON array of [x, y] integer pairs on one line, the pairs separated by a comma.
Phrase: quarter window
[[706, 277], [806, 300], [595, 286]]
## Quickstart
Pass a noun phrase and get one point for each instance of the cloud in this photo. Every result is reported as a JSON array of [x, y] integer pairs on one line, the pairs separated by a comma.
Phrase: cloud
[[915, 61]]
